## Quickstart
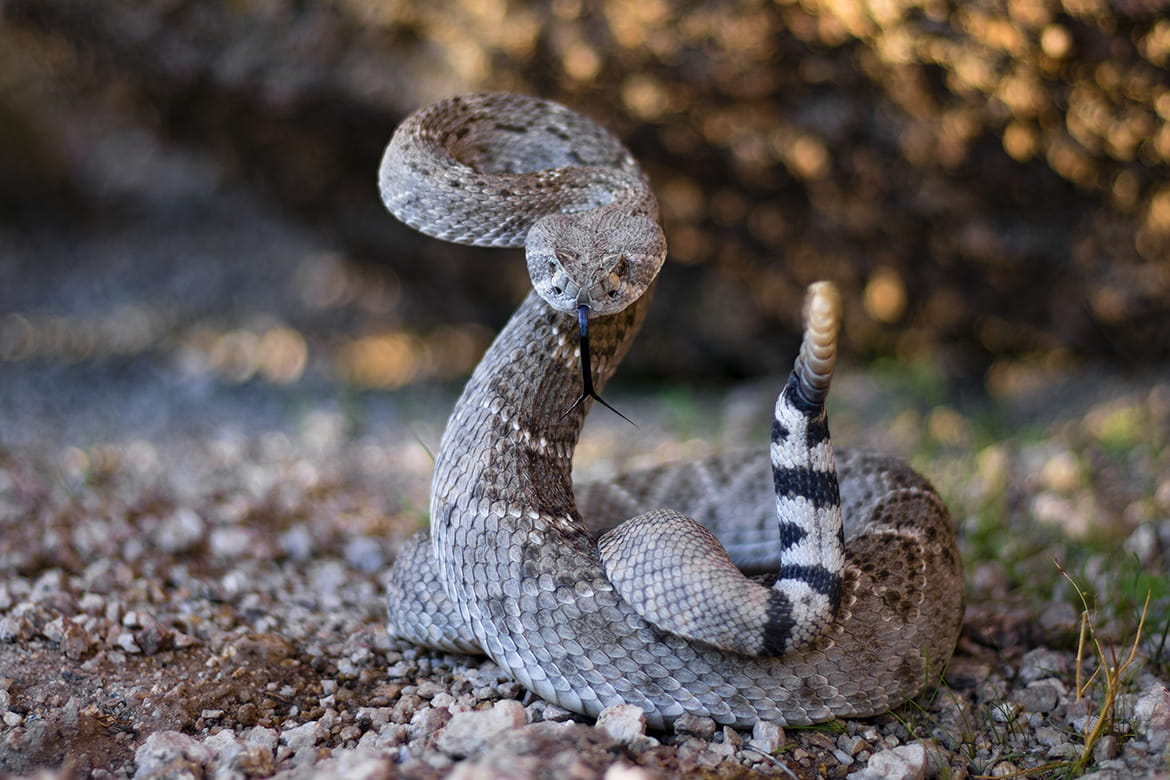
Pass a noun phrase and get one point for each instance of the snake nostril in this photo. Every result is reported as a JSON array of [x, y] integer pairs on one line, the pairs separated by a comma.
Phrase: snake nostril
[[557, 291]]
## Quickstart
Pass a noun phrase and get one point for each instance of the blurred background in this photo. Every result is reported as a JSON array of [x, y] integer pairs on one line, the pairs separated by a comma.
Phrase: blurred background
[[188, 196], [221, 360]]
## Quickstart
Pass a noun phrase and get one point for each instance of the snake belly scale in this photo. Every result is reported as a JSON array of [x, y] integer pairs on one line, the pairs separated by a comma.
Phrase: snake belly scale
[[588, 609]]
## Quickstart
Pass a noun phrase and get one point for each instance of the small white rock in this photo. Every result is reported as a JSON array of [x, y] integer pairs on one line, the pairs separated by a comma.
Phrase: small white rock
[[551, 712], [1042, 663], [264, 737], [905, 762], [127, 643], [843, 758], [365, 554], [54, 630], [695, 726], [230, 542], [1005, 712], [300, 740], [297, 542], [469, 731], [170, 754], [182, 530], [623, 771], [15, 628], [1151, 716], [92, 603], [623, 722], [767, 737]]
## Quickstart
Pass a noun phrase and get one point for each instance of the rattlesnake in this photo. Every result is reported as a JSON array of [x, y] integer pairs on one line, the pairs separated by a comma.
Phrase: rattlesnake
[[588, 611]]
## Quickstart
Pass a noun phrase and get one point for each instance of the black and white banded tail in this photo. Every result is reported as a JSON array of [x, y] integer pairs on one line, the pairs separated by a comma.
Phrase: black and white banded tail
[[808, 503], [678, 576]]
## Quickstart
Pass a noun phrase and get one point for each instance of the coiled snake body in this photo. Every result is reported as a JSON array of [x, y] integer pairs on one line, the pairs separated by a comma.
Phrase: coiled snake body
[[582, 608]]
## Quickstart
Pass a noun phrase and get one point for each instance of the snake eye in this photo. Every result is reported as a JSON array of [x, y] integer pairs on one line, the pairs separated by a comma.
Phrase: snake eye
[[557, 291], [613, 294]]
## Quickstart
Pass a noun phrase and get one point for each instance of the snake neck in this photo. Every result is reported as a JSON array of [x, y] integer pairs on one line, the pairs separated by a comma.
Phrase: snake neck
[[506, 456]]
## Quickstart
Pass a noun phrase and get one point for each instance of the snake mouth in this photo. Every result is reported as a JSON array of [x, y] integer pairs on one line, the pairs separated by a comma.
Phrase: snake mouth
[[587, 390]]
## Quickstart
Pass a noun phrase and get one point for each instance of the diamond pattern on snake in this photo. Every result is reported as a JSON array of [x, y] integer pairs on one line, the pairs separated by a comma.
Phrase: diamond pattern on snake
[[863, 597]]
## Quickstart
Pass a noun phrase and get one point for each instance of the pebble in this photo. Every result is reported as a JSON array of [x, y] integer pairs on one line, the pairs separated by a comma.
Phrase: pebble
[[365, 554], [126, 642], [1105, 749], [1047, 735], [297, 542], [1004, 712], [15, 628], [54, 630], [767, 736], [1060, 618], [1006, 769], [92, 603], [905, 762], [405, 708], [298, 742], [851, 744], [466, 733], [430, 689], [447, 700], [623, 771], [1144, 544], [546, 711], [695, 725], [167, 754], [843, 758], [1151, 717], [695, 750], [179, 531], [726, 747], [1039, 696], [265, 738], [231, 542], [151, 637], [1041, 663], [623, 722], [48, 588], [428, 721]]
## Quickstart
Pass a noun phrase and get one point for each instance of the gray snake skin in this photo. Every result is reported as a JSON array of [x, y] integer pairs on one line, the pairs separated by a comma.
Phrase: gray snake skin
[[864, 600]]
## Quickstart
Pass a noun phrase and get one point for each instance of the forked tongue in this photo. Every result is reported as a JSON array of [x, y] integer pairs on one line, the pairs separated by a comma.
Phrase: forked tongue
[[587, 390]]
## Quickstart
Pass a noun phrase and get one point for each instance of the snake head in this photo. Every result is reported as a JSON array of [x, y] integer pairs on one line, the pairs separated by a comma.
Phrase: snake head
[[603, 259]]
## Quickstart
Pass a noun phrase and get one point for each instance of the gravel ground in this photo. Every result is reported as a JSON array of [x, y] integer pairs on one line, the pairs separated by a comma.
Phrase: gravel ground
[[195, 534], [210, 605]]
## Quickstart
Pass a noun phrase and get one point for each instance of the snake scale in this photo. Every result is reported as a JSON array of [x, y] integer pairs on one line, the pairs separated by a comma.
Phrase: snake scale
[[864, 600]]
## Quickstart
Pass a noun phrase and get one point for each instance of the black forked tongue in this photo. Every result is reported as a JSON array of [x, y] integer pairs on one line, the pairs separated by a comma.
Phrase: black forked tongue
[[587, 390]]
